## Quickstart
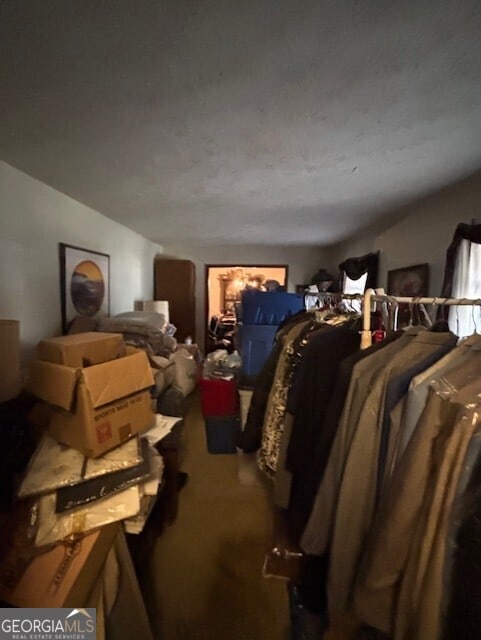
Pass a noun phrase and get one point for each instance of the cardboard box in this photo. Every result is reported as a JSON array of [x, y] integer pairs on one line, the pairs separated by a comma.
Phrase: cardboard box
[[94, 409], [10, 382], [82, 349], [38, 585]]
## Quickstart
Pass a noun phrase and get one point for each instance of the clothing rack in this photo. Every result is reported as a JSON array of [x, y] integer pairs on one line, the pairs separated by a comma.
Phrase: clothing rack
[[371, 296], [338, 295], [333, 297], [314, 300]]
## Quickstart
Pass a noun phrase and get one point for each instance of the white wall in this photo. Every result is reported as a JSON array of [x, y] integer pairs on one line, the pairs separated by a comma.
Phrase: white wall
[[303, 263], [34, 218], [422, 233]]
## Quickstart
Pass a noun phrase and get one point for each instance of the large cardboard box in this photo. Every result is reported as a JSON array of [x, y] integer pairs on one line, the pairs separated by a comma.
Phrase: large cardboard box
[[94, 409], [82, 349], [9, 359], [43, 585]]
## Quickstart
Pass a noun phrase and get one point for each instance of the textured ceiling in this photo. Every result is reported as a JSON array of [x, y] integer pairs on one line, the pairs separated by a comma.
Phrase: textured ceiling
[[252, 121]]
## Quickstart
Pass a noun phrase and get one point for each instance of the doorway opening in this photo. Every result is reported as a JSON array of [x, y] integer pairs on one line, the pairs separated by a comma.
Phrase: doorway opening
[[224, 286]]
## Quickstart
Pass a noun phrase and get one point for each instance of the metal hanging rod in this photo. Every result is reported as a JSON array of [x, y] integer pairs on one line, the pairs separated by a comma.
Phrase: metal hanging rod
[[436, 301], [337, 294], [371, 296]]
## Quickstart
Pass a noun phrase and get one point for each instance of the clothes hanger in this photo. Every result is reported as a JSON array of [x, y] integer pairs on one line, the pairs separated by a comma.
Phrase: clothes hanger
[[416, 314], [391, 316], [429, 322], [411, 315]]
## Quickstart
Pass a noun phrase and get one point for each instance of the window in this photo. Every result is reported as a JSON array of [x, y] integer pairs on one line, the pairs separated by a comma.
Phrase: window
[[465, 320], [355, 286]]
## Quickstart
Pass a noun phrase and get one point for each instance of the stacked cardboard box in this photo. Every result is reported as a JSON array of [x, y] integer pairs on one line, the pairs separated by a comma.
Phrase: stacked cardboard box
[[96, 393], [97, 389]]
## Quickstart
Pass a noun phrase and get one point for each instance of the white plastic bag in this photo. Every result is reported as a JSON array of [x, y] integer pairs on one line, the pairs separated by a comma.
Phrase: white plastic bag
[[186, 371]]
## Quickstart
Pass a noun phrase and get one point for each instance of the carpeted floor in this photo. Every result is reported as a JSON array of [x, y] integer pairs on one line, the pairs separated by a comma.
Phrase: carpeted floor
[[206, 581]]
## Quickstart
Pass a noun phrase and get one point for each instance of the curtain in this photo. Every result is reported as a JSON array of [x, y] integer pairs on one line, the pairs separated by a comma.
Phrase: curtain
[[466, 283], [354, 268], [462, 279], [470, 232]]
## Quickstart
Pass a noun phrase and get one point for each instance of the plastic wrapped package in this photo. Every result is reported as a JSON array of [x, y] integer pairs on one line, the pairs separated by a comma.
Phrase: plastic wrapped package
[[148, 494], [148, 320], [55, 465], [151, 326], [163, 370], [186, 371], [170, 330], [221, 364], [150, 486], [162, 362], [139, 342], [125, 455], [53, 527], [162, 427], [144, 323], [104, 485], [165, 346], [151, 320], [163, 379], [137, 523]]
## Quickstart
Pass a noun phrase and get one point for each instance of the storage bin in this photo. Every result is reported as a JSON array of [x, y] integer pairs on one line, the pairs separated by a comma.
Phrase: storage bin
[[219, 397], [255, 345], [222, 433], [269, 307]]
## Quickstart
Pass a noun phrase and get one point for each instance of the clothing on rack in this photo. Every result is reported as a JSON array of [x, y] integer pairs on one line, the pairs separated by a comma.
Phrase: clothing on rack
[[251, 437], [470, 232], [461, 604], [419, 613], [308, 404], [408, 411], [359, 487], [371, 453], [391, 541], [356, 503], [295, 343], [319, 529]]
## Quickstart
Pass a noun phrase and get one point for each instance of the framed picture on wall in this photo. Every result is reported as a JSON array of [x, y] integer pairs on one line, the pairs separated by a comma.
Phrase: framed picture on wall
[[410, 282], [84, 283]]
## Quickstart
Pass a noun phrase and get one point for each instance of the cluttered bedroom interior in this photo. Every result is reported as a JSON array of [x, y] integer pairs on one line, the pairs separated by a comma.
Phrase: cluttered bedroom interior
[[240, 319]]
